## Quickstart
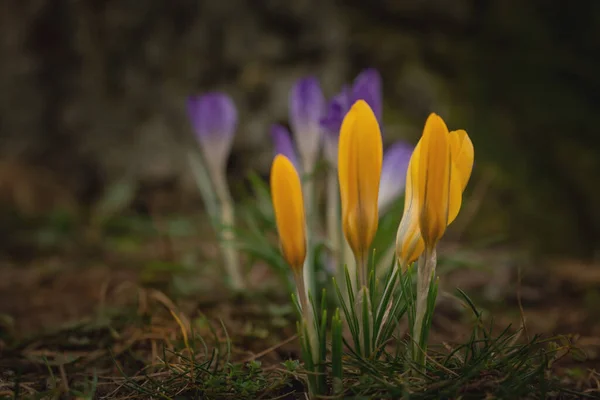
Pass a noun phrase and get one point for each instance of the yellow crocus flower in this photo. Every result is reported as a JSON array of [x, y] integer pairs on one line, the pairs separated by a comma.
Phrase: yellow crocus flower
[[433, 180], [360, 154], [288, 203], [438, 173], [286, 193]]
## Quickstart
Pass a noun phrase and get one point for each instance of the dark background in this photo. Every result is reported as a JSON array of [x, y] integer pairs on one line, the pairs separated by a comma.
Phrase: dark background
[[92, 95]]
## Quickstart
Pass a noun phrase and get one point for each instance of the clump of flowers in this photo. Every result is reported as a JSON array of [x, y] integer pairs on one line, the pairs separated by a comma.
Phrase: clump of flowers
[[436, 174], [315, 126], [372, 294]]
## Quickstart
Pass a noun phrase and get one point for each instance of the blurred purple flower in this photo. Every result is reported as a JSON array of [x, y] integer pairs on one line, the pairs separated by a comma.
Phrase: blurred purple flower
[[337, 108], [283, 144], [214, 119], [367, 87], [332, 121], [393, 172], [307, 107]]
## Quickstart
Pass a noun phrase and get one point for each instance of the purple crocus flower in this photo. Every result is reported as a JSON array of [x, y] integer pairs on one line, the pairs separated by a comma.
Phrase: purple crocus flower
[[367, 87], [393, 172], [332, 121], [337, 108], [214, 119], [283, 144], [307, 107]]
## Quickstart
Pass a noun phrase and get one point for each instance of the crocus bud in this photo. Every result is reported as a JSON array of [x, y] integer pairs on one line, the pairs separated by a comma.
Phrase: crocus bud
[[331, 123], [437, 175], [214, 119], [359, 171], [286, 193], [307, 106], [367, 87], [283, 144]]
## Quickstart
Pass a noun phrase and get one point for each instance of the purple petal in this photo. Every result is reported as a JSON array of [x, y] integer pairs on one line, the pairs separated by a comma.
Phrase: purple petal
[[336, 111], [213, 115], [367, 87], [393, 172], [332, 122], [307, 106], [283, 144], [214, 119]]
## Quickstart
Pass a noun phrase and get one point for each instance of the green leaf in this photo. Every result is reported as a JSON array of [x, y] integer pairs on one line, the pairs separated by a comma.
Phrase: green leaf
[[367, 322], [337, 371]]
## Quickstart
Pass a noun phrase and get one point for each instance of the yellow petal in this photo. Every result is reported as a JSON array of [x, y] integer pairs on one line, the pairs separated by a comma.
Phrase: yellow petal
[[286, 193], [463, 156], [360, 153], [434, 180], [409, 244]]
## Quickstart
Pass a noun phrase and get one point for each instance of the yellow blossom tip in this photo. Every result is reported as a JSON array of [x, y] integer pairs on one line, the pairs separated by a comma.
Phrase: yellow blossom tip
[[288, 204], [434, 180], [360, 153]]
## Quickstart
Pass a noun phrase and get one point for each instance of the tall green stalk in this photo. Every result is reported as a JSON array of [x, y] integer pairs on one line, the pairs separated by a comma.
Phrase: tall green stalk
[[335, 236], [312, 329], [220, 209], [311, 221], [230, 254], [425, 273]]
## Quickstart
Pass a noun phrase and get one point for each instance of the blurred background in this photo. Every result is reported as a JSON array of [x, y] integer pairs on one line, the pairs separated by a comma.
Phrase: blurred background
[[105, 250], [92, 95], [93, 124]]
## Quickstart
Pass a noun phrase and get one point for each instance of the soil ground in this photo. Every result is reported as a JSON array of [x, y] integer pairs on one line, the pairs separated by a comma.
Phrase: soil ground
[[70, 315]]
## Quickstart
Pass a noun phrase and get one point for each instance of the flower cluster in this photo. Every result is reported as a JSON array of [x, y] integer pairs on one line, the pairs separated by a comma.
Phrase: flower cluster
[[362, 182], [436, 174], [315, 130], [314, 124]]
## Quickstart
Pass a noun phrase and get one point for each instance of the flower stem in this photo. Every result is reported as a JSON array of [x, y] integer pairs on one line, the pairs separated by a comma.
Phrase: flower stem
[[361, 265], [308, 315], [230, 255], [302, 295], [340, 250], [309, 201], [350, 263], [425, 272], [333, 218]]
